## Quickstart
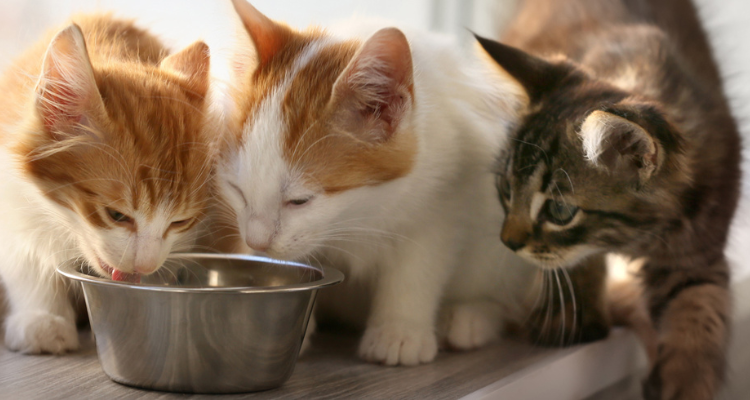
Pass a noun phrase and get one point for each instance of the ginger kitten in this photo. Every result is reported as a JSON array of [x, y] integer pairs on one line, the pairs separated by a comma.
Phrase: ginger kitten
[[372, 151], [104, 161]]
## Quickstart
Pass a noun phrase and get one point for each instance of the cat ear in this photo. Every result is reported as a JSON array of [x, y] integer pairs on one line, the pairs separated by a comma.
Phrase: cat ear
[[620, 146], [193, 64], [268, 36], [533, 73], [66, 90], [375, 91]]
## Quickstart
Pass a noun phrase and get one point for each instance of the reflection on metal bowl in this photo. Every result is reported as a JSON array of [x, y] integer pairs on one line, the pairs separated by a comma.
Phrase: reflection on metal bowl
[[204, 323]]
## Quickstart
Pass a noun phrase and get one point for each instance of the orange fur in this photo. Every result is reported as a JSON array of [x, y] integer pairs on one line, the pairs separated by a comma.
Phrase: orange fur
[[148, 140], [108, 162], [315, 140]]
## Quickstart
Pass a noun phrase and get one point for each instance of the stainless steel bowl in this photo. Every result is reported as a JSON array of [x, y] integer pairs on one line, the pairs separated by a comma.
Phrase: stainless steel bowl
[[204, 323]]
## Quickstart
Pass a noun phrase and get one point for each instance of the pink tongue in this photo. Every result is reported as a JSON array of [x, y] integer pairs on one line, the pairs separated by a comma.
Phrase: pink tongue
[[125, 277]]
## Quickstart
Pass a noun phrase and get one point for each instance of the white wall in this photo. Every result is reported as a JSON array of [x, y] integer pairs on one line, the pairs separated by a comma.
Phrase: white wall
[[181, 22]]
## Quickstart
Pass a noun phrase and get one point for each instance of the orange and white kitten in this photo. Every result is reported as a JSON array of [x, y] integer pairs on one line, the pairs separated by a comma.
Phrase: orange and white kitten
[[103, 160], [372, 152]]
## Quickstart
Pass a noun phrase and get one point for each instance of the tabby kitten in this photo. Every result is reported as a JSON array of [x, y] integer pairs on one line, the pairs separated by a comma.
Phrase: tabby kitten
[[628, 146], [370, 149], [103, 161]]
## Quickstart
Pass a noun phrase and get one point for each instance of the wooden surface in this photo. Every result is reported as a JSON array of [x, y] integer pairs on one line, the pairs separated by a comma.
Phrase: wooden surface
[[329, 370]]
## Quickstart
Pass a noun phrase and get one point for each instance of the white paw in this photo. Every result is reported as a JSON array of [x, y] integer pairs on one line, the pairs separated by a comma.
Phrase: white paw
[[472, 326], [312, 326], [398, 344], [40, 332]]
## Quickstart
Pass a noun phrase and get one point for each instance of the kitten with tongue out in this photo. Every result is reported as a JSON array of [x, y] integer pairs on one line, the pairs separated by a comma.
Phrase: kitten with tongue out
[[120, 276], [105, 159]]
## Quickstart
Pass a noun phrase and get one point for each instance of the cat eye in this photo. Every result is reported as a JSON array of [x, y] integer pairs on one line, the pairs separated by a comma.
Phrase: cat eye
[[299, 202], [118, 216], [559, 213], [177, 224]]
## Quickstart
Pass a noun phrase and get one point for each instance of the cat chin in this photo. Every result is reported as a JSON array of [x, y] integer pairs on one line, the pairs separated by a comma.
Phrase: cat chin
[[550, 265], [556, 262]]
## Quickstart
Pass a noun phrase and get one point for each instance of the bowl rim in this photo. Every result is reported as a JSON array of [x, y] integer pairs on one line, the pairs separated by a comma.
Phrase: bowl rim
[[331, 276]]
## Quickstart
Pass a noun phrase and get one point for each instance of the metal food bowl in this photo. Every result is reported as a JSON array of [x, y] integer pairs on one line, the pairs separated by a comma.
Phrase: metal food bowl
[[204, 323]]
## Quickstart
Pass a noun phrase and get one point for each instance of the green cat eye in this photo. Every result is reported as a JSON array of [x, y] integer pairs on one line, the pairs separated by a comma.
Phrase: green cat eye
[[559, 213], [118, 216]]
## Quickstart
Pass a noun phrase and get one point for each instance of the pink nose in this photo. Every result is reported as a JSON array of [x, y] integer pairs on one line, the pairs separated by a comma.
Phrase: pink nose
[[259, 233], [258, 245]]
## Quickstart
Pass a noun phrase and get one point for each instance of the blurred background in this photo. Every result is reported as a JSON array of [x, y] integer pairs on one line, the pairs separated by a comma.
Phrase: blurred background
[[181, 22]]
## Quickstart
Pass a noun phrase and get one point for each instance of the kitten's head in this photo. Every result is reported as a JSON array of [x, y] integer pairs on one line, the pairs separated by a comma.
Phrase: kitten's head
[[591, 168], [119, 151], [315, 122]]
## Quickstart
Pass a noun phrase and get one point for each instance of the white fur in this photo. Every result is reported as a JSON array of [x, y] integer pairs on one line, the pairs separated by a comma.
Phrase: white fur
[[34, 239], [537, 202], [594, 132], [599, 128], [37, 235], [428, 237]]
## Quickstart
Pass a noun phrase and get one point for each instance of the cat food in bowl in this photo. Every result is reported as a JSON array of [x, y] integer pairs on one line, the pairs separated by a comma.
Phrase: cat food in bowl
[[203, 323]]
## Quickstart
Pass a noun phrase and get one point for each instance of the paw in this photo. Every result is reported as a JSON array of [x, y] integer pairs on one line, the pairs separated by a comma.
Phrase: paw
[[681, 377], [471, 326], [40, 332], [398, 344], [312, 326]]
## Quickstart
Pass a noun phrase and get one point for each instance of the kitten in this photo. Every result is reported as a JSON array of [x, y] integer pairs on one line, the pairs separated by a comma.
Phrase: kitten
[[104, 161], [628, 146], [372, 152]]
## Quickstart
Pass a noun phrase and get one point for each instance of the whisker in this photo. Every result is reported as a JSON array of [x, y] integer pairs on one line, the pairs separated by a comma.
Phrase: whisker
[[562, 306], [573, 300]]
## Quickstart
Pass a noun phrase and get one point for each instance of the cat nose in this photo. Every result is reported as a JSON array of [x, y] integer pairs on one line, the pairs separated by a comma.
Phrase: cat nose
[[259, 246], [513, 245], [260, 233], [513, 236], [148, 250]]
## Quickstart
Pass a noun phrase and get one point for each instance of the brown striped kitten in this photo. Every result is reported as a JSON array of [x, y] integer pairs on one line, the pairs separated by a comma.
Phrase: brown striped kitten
[[629, 146]]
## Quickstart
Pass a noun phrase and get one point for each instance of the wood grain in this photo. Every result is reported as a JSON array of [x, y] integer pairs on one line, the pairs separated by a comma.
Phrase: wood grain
[[329, 370]]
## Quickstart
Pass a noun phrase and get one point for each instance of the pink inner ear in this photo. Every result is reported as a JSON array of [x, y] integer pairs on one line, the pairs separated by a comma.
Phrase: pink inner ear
[[378, 85], [58, 106], [66, 87]]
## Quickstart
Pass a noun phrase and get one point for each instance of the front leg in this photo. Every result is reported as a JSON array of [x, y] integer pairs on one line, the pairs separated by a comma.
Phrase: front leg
[[41, 318], [469, 325], [401, 326], [691, 310]]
